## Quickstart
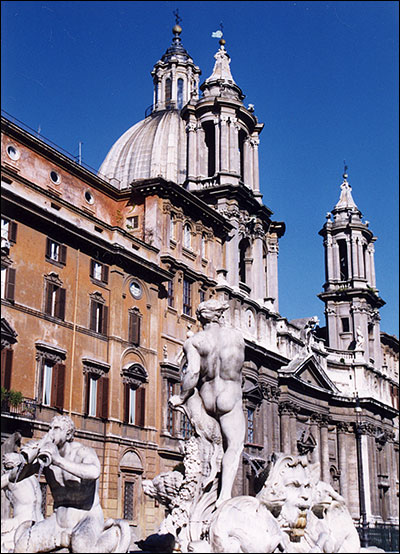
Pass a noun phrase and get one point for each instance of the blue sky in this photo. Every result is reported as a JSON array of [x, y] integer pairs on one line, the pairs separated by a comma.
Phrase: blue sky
[[323, 77]]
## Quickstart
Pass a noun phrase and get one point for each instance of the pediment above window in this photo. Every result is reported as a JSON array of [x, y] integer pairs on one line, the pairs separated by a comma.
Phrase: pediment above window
[[95, 367], [134, 375], [8, 335], [50, 352], [54, 279]]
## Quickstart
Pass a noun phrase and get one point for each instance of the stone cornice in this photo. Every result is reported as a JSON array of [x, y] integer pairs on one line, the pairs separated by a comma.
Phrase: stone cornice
[[57, 157], [71, 234], [184, 199]]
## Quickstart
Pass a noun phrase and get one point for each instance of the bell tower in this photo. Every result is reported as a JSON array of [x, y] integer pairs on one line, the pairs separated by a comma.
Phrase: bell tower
[[350, 295], [223, 170], [175, 76]]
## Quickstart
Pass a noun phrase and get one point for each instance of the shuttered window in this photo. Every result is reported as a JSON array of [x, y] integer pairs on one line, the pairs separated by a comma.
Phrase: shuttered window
[[99, 271], [6, 367], [98, 317], [53, 384], [134, 328], [56, 252], [8, 283], [96, 395], [134, 405], [187, 297], [55, 301], [9, 230]]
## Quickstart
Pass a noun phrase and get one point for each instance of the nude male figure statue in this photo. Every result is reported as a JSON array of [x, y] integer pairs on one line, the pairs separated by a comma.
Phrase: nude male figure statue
[[215, 358]]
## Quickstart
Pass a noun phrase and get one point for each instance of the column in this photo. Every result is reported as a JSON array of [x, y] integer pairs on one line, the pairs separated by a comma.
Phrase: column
[[336, 271], [224, 143], [285, 411], [293, 431], [256, 174], [371, 250], [232, 249], [276, 436], [191, 153], [201, 152], [315, 458], [234, 161], [217, 147], [354, 255], [342, 428], [361, 258], [258, 291], [329, 257], [272, 269], [247, 163], [325, 474]]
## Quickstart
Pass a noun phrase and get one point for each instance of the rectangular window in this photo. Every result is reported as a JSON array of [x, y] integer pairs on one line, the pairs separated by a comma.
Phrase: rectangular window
[[170, 294], [128, 500], [99, 271], [98, 317], [52, 383], [96, 396], [47, 380], [6, 367], [345, 325], [8, 283], [170, 412], [56, 252], [132, 222], [134, 328], [8, 230], [201, 295], [134, 410], [92, 397], [187, 300], [186, 427], [55, 301], [250, 425]]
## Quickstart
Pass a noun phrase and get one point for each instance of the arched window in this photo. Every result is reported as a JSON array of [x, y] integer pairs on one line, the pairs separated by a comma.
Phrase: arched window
[[209, 130], [168, 90], [187, 236], [180, 94], [244, 247]]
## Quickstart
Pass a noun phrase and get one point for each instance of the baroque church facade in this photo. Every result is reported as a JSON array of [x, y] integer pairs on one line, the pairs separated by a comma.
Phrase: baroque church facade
[[102, 274]]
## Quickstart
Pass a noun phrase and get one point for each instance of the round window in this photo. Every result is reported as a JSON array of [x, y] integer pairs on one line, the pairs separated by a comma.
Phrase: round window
[[89, 197], [135, 289], [54, 176], [13, 152]]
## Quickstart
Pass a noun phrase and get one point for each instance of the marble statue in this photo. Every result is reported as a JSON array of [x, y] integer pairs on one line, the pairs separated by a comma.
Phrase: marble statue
[[359, 339], [72, 472], [213, 377], [24, 496], [11, 444], [293, 512], [308, 330]]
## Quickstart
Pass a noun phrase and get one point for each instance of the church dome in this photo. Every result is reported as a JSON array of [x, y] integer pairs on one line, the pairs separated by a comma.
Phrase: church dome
[[154, 147]]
